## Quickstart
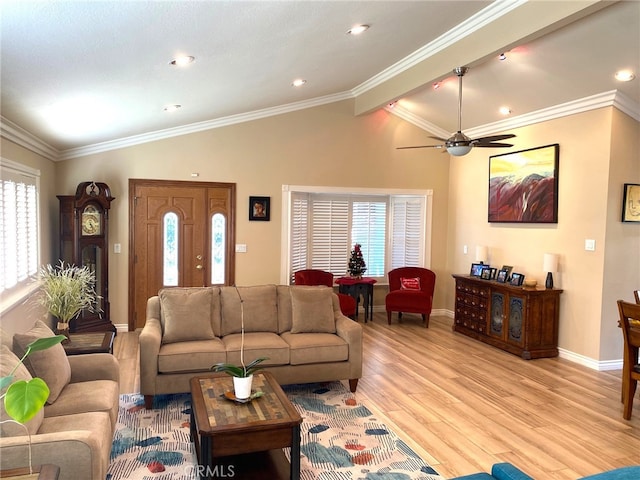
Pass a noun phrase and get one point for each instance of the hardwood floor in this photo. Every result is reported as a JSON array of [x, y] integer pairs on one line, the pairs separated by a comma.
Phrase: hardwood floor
[[464, 406]]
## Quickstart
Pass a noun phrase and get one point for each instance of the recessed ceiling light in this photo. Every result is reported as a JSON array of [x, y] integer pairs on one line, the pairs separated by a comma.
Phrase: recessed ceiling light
[[625, 75], [502, 57], [298, 82], [182, 61], [505, 111], [172, 108], [357, 29]]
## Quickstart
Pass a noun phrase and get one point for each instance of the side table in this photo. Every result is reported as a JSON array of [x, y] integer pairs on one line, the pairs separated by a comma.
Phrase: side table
[[81, 343], [359, 287]]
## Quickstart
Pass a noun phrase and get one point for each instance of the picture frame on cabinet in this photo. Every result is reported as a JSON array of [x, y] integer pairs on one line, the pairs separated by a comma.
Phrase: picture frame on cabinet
[[508, 269], [486, 273], [516, 279], [476, 269], [492, 273], [502, 276]]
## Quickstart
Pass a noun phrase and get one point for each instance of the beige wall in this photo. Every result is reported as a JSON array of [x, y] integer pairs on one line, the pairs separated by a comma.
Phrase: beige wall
[[589, 204], [21, 317], [325, 146]]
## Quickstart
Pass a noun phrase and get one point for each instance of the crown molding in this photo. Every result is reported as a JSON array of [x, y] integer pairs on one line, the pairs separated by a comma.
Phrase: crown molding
[[20, 136], [201, 126], [469, 26], [606, 99]]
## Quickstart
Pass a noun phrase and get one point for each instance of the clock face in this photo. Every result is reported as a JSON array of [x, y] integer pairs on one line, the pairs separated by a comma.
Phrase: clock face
[[91, 221]]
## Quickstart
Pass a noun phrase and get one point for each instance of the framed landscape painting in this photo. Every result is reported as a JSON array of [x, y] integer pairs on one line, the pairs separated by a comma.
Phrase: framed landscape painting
[[523, 186]]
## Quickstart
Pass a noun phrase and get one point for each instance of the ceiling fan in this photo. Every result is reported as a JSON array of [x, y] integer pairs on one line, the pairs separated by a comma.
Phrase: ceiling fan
[[459, 144]]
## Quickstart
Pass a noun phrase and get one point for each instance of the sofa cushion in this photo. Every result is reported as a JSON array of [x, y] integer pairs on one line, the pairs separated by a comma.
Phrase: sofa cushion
[[259, 308], [256, 345], [309, 348], [52, 364], [83, 397], [312, 310], [199, 355], [284, 308], [186, 314], [8, 361]]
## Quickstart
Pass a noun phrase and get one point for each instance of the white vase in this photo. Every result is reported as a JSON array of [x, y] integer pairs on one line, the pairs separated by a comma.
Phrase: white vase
[[242, 387]]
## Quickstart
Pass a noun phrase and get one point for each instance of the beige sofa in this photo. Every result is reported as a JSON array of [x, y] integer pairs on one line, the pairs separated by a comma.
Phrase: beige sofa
[[75, 429], [300, 329]]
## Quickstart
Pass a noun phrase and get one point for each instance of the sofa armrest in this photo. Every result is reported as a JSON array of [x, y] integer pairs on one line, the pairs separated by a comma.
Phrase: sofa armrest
[[507, 471], [78, 453], [94, 366], [150, 340], [351, 332]]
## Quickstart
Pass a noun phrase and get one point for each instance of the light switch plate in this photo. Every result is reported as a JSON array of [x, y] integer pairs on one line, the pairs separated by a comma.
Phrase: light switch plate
[[590, 245], [241, 248]]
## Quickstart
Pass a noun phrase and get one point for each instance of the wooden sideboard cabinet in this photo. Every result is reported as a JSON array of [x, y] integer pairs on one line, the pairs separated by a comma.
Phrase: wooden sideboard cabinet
[[519, 320]]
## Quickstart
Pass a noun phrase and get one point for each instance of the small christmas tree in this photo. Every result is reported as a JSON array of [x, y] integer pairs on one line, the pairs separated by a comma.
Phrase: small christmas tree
[[356, 263]]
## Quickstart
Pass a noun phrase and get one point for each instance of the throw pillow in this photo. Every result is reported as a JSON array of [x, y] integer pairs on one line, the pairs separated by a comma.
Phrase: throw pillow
[[410, 283], [51, 365], [186, 314], [312, 310], [8, 361]]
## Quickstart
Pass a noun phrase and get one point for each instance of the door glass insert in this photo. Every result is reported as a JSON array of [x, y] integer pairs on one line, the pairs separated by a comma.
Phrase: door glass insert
[[170, 250], [218, 248]]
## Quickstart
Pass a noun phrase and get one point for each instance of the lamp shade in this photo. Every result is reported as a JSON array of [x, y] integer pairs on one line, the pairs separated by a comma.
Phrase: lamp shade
[[482, 254], [550, 262]]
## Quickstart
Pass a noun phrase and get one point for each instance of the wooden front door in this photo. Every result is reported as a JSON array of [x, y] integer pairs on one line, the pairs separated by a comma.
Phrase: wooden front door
[[182, 234]]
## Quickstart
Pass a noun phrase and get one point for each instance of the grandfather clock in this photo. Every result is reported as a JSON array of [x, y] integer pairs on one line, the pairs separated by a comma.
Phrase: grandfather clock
[[84, 228]]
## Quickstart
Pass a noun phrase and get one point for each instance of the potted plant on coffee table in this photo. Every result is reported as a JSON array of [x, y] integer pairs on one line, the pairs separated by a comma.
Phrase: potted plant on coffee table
[[24, 399], [242, 374], [67, 289]]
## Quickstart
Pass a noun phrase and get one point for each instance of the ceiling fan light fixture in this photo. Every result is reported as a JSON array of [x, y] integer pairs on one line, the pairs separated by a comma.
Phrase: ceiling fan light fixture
[[459, 150]]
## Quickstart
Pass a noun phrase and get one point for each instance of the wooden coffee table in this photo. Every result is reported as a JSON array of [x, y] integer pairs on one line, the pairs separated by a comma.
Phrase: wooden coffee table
[[222, 428]]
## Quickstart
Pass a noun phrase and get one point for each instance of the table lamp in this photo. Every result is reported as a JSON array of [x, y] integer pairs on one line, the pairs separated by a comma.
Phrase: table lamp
[[482, 254], [550, 265]]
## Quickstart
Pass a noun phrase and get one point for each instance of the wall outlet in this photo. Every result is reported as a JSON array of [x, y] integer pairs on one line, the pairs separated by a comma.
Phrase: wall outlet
[[241, 248], [117, 248]]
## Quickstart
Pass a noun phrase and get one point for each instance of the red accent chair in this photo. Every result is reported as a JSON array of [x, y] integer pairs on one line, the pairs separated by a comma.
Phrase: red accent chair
[[410, 291], [320, 277]]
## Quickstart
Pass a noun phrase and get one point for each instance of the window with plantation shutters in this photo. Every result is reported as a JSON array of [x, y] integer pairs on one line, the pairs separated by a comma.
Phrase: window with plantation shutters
[[407, 241], [19, 248], [323, 227]]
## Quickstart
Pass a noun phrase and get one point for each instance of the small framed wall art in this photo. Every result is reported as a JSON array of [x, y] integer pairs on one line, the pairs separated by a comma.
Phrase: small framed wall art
[[259, 209], [631, 203]]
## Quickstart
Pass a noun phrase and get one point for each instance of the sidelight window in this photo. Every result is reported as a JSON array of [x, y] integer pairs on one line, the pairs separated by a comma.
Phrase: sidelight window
[[170, 250]]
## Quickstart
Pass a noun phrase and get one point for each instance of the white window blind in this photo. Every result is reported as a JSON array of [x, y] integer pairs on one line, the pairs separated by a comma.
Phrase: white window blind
[[19, 249], [407, 244], [323, 227]]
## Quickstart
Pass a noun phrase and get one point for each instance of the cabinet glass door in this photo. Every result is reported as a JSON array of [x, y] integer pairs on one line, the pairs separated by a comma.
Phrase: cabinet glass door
[[516, 312], [497, 314]]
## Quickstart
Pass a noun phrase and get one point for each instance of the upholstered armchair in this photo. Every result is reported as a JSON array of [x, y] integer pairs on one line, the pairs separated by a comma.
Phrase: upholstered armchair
[[410, 291], [320, 277]]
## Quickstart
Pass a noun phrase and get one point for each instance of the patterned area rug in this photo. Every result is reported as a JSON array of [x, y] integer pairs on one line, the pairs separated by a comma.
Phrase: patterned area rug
[[340, 439]]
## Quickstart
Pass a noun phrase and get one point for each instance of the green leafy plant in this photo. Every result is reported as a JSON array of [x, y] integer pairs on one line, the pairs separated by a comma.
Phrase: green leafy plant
[[67, 290], [24, 399], [240, 371]]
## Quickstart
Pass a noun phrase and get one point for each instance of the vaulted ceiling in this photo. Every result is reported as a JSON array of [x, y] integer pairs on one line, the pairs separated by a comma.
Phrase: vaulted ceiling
[[87, 76]]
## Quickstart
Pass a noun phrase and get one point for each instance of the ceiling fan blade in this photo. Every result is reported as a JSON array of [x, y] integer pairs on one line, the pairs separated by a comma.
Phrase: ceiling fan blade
[[420, 146], [494, 138], [491, 145]]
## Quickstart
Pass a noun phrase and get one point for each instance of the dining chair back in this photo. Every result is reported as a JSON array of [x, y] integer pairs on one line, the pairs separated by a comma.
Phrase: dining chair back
[[320, 277], [410, 291], [630, 324]]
